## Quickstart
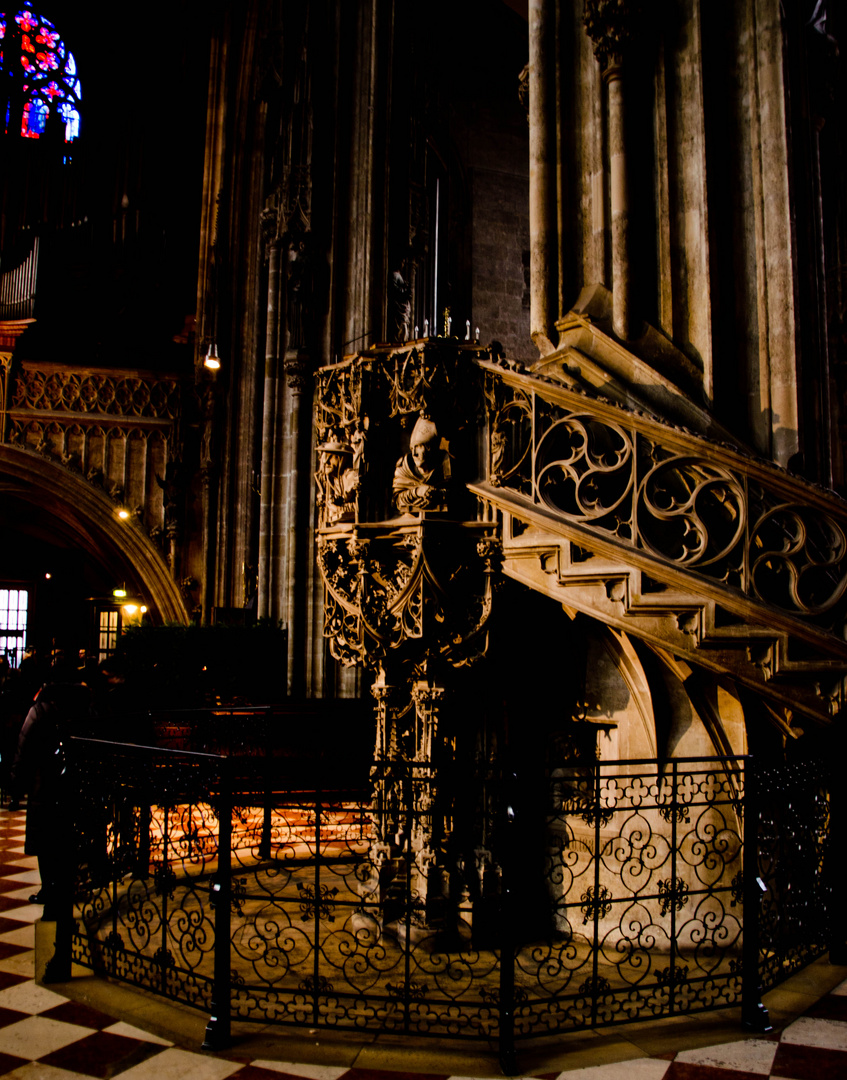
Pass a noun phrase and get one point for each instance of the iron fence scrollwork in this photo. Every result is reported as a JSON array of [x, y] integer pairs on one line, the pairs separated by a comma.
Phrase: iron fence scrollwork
[[646, 902]]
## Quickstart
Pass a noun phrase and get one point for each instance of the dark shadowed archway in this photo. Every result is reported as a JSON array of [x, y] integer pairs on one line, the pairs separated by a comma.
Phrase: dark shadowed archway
[[45, 508]]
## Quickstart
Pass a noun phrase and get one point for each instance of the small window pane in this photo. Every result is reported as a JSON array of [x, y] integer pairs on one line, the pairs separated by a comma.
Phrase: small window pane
[[13, 617]]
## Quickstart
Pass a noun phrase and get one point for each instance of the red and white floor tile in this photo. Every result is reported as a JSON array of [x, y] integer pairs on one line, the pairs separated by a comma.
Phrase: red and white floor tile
[[44, 1036]]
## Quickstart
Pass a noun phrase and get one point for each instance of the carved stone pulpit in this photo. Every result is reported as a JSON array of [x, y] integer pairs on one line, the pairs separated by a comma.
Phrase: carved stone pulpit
[[407, 566]]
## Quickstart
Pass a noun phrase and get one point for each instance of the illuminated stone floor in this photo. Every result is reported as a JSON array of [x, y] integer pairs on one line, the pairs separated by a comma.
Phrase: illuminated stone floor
[[88, 1028]]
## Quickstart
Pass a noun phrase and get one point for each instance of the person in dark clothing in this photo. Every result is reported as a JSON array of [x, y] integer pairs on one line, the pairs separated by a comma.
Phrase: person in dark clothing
[[38, 771]]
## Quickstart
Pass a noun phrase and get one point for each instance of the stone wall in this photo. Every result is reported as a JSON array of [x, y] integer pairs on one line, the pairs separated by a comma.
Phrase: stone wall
[[501, 260]]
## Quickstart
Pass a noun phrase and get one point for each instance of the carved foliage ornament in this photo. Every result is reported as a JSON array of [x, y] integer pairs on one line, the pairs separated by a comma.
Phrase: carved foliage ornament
[[408, 592], [611, 25]]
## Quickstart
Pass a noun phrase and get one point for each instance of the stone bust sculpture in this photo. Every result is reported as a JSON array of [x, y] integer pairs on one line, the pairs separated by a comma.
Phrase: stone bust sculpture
[[419, 480]]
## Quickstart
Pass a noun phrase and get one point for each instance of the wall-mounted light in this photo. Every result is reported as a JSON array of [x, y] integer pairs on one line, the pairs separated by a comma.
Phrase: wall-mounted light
[[132, 612], [123, 514], [47, 576], [212, 361]]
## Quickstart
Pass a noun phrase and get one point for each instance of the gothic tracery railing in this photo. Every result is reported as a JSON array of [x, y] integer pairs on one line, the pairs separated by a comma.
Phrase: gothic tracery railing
[[115, 393], [120, 430], [700, 513]]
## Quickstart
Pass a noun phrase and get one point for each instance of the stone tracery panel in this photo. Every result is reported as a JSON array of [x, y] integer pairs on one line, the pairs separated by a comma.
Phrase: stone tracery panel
[[118, 430], [96, 392]]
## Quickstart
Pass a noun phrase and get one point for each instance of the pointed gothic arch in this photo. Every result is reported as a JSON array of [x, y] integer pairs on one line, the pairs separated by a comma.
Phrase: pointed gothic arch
[[90, 516]]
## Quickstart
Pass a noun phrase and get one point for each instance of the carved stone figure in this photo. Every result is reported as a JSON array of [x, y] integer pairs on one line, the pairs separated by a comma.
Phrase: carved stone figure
[[358, 438], [401, 302], [419, 480], [299, 285], [171, 491], [338, 480]]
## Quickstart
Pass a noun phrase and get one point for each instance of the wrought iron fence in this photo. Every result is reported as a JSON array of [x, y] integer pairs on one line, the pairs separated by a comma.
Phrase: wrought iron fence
[[795, 866], [632, 894]]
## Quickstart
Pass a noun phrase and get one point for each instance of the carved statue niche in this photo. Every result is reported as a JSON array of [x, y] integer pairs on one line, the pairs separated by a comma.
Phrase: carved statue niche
[[298, 279], [421, 476], [338, 478], [172, 488], [401, 306]]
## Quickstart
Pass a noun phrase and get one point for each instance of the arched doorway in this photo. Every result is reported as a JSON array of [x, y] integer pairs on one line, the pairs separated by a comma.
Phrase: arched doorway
[[64, 544]]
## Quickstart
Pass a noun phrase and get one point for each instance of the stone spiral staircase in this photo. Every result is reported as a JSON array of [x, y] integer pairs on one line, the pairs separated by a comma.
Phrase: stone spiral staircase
[[692, 544]]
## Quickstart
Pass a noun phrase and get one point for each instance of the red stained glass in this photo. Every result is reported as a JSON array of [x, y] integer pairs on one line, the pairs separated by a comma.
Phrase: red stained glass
[[43, 90], [26, 20]]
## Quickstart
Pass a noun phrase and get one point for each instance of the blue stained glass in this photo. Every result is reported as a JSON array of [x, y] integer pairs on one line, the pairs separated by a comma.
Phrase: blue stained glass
[[37, 117], [51, 74], [71, 118]]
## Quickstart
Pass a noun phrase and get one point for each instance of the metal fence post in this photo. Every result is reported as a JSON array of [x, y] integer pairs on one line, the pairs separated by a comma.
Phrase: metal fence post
[[508, 1061], [754, 1015], [218, 1027], [267, 773], [66, 826], [836, 845], [595, 891]]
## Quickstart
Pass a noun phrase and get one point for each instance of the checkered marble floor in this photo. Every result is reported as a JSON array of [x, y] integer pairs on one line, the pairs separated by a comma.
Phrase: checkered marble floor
[[44, 1036]]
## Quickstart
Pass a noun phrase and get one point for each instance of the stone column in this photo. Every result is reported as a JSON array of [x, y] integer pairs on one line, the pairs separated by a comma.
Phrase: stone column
[[209, 475], [386, 736], [365, 271], [432, 815], [611, 25], [543, 259], [269, 416], [388, 823], [294, 525], [619, 204]]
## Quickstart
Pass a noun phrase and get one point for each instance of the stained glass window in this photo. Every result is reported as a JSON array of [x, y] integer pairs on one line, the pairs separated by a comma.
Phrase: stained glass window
[[37, 61]]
